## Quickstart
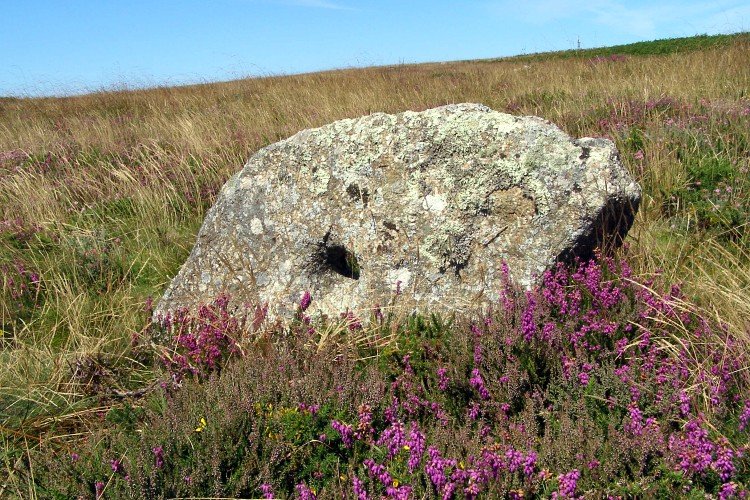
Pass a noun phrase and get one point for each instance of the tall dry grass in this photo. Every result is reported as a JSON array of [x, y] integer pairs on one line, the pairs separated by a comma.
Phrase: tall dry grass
[[111, 187]]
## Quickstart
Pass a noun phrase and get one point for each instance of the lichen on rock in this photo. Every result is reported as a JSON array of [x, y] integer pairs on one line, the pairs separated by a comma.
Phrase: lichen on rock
[[430, 203]]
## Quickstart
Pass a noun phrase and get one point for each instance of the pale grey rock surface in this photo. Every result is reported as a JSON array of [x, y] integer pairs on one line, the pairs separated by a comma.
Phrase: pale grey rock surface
[[429, 202]]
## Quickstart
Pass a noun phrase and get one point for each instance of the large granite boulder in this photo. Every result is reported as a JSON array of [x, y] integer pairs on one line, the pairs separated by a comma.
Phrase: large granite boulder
[[428, 204]]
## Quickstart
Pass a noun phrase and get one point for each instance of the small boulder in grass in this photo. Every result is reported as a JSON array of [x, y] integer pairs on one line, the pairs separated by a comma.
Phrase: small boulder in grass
[[427, 205]]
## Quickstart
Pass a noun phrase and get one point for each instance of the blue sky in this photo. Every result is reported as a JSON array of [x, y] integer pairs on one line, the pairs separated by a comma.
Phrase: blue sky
[[54, 47]]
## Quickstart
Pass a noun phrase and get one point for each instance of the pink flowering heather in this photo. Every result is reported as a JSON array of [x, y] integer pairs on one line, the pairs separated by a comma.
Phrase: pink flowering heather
[[437, 468], [477, 383], [568, 483], [351, 320], [305, 408], [443, 379], [304, 492], [695, 453], [99, 489], [745, 416], [393, 438], [116, 466], [416, 443], [203, 341], [158, 452], [474, 410], [488, 406], [402, 492], [358, 488], [266, 490], [729, 490], [346, 432], [379, 472], [528, 323], [305, 301]]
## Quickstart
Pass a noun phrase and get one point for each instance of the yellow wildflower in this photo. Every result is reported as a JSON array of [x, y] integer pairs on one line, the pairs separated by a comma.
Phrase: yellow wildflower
[[201, 426]]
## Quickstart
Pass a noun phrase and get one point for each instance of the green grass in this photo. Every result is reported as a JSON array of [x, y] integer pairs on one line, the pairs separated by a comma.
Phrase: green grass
[[648, 48], [101, 195]]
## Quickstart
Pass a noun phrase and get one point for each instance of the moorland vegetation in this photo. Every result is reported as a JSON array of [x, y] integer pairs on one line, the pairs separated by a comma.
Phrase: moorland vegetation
[[626, 375]]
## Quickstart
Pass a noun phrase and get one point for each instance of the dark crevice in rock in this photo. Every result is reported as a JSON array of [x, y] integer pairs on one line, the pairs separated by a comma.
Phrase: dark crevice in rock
[[335, 257], [608, 232], [342, 261]]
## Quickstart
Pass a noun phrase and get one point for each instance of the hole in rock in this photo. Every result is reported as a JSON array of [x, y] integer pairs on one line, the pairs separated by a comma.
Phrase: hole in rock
[[342, 261]]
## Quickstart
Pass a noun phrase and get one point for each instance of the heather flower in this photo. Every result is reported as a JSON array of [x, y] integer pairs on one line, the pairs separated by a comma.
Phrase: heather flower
[[474, 487], [723, 463], [436, 467], [477, 354], [379, 472], [391, 413], [305, 301], [311, 409], [393, 438], [477, 383], [528, 325], [416, 444], [346, 432], [634, 424], [358, 488], [266, 490], [399, 492], [569, 483], [449, 490], [475, 331], [351, 320], [491, 463], [116, 466], [474, 410], [443, 380], [745, 416], [695, 453], [304, 492], [548, 332], [99, 488], [529, 464], [513, 460], [203, 341], [406, 360], [158, 452], [728, 490], [685, 404]]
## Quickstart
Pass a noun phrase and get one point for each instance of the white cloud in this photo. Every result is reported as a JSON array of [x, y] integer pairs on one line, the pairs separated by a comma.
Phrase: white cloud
[[642, 20]]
